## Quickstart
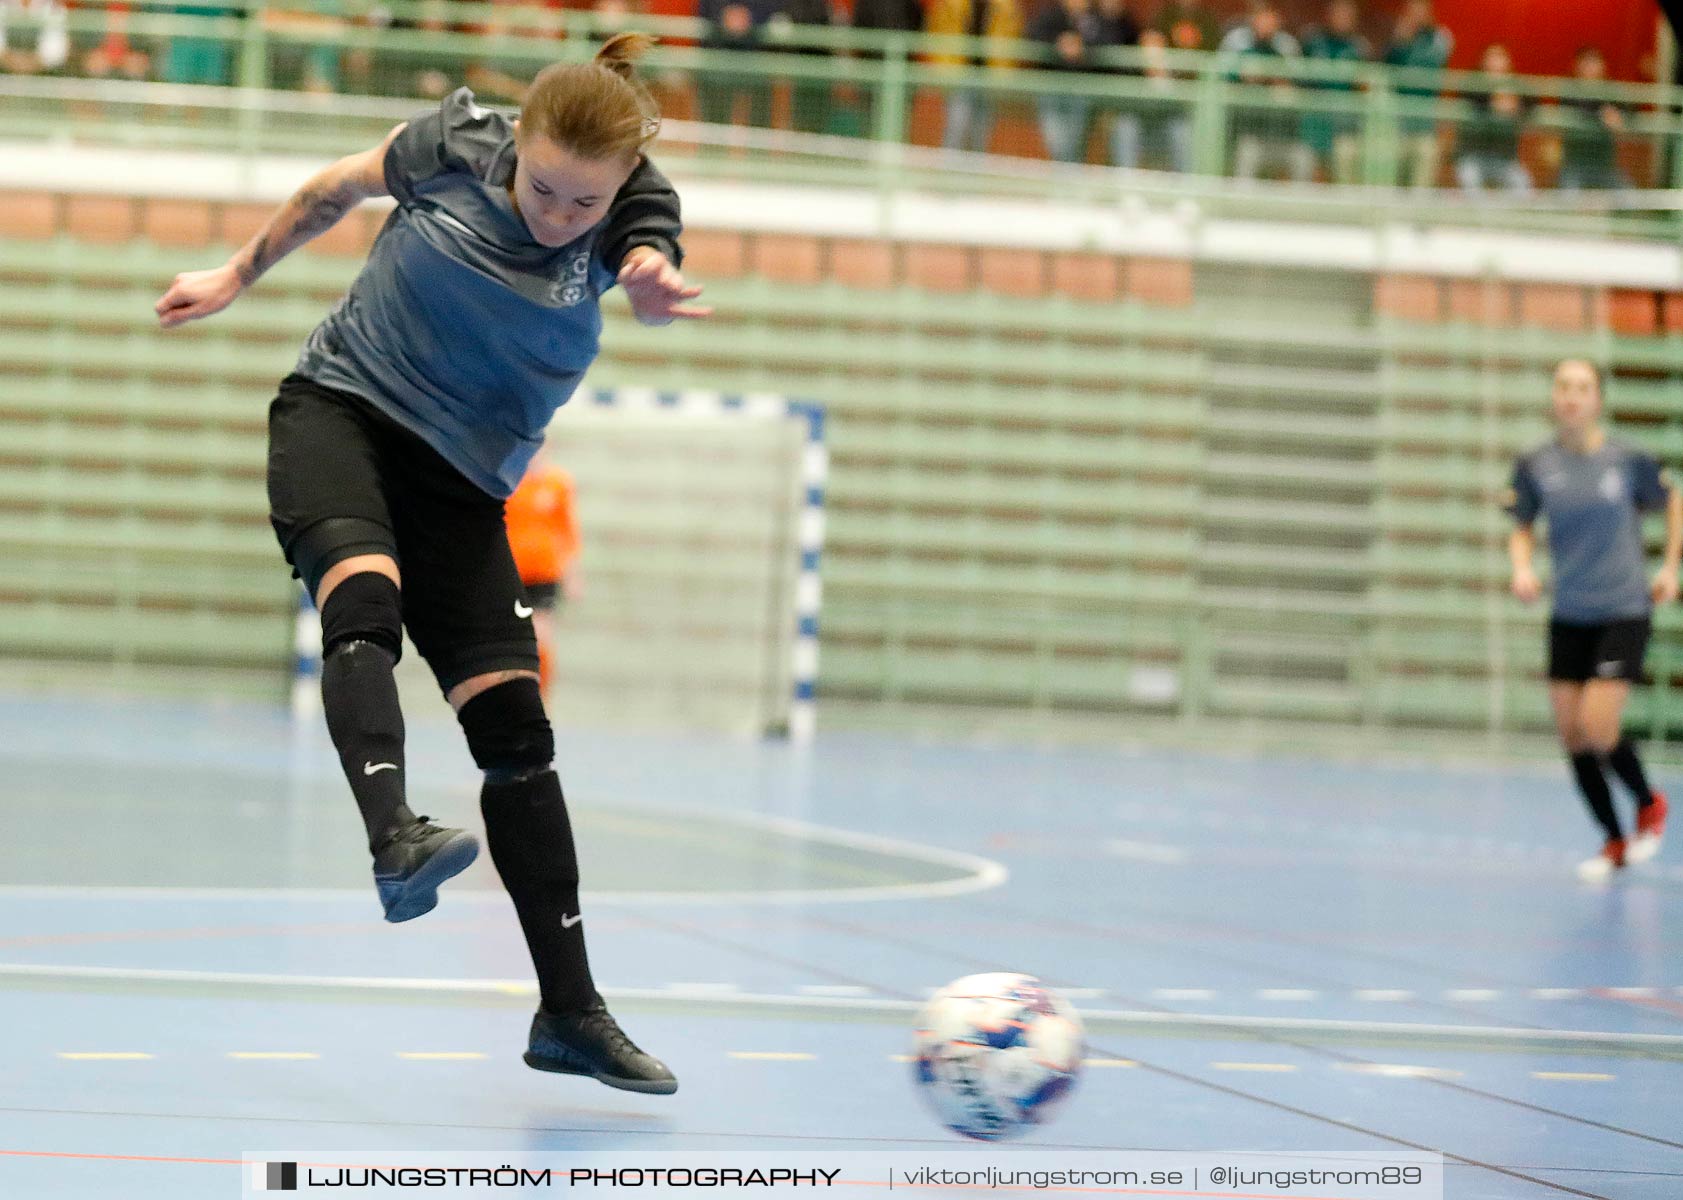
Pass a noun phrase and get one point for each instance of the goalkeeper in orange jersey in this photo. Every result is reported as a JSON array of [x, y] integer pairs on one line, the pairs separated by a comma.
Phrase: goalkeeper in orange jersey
[[543, 532]]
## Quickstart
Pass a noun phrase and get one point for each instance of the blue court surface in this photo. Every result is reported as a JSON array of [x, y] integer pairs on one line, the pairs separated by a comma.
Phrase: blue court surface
[[1270, 953]]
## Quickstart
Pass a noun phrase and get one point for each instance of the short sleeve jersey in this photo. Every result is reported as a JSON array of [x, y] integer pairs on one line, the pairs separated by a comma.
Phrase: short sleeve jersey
[[1593, 504], [462, 327]]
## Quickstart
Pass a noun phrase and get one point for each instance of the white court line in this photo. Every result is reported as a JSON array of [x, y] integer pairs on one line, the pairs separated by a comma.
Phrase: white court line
[[1556, 993], [900, 1012], [1145, 851], [980, 874]]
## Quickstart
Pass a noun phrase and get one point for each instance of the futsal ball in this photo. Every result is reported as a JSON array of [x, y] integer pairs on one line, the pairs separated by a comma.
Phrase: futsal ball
[[996, 1054]]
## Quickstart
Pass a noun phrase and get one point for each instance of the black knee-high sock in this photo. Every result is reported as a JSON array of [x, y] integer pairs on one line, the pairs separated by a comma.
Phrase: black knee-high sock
[[359, 697], [1628, 767], [1586, 768], [531, 842]]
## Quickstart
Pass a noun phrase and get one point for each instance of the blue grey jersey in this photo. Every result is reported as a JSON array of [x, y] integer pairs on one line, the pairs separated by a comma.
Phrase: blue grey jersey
[[1594, 505], [460, 326]]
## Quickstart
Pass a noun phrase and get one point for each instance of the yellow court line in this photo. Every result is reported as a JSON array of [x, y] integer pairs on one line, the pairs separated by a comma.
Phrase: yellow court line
[[102, 1055], [439, 1055], [1253, 1066], [773, 1055], [278, 1054], [902, 1058], [1584, 1076]]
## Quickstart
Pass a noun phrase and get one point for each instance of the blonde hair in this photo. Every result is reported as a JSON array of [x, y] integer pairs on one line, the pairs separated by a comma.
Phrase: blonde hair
[[597, 110]]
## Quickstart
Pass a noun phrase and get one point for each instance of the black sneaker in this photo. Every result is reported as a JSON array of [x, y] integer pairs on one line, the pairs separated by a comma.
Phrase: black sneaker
[[590, 1042], [413, 860]]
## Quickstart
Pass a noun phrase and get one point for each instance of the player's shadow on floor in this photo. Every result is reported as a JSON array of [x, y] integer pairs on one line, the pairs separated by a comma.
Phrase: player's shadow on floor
[[558, 1127]]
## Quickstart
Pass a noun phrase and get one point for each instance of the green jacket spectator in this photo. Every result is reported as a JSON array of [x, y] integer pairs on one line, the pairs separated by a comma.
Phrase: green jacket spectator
[[1589, 144], [1333, 135], [1419, 41], [208, 60]]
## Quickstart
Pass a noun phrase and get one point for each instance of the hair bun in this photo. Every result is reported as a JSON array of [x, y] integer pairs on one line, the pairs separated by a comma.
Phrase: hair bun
[[620, 53]]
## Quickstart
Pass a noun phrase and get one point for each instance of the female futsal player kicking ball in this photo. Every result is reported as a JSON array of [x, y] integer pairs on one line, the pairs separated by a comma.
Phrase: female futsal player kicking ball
[[1593, 491], [411, 415]]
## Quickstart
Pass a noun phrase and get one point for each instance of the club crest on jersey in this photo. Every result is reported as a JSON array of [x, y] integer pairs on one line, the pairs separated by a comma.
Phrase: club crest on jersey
[[1612, 484], [569, 288]]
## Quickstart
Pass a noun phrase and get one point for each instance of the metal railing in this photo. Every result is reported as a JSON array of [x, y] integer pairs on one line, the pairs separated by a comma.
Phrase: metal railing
[[233, 130], [1189, 111]]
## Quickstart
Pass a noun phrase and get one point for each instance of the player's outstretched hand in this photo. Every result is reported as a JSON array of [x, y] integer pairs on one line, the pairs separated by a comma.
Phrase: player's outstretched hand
[[1664, 587], [657, 292], [1526, 585], [197, 294]]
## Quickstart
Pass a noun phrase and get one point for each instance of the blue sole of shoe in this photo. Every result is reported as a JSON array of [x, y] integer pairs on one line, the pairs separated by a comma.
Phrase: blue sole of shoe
[[419, 893], [649, 1087]]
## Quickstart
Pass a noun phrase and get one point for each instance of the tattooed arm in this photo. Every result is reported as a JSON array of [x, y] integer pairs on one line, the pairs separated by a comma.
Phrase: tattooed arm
[[314, 209]]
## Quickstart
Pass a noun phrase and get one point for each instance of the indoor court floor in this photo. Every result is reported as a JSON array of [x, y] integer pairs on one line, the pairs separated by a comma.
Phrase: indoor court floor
[[1271, 952]]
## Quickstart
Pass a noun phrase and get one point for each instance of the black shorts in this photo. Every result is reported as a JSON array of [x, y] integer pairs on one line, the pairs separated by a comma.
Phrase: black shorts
[[545, 597], [1608, 650], [345, 479]]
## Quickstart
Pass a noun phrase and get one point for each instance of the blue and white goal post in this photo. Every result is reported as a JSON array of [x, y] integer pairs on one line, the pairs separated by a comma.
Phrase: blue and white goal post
[[697, 600]]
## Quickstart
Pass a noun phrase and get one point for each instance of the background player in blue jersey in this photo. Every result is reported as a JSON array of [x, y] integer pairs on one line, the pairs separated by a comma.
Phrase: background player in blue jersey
[[1593, 490], [413, 412]]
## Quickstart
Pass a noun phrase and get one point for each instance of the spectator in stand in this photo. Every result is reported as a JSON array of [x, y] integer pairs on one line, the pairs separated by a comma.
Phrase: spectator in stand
[[507, 22], [308, 66], [1335, 136], [34, 37], [886, 16], [1487, 151], [116, 57], [809, 98], [1419, 41], [1116, 27], [969, 108], [1265, 131], [1158, 123], [1072, 29], [1589, 146], [737, 27], [1187, 25], [200, 59], [410, 72]]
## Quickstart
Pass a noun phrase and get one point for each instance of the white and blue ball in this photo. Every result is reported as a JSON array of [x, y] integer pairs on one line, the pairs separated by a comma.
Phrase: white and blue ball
[[997, 1054]]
